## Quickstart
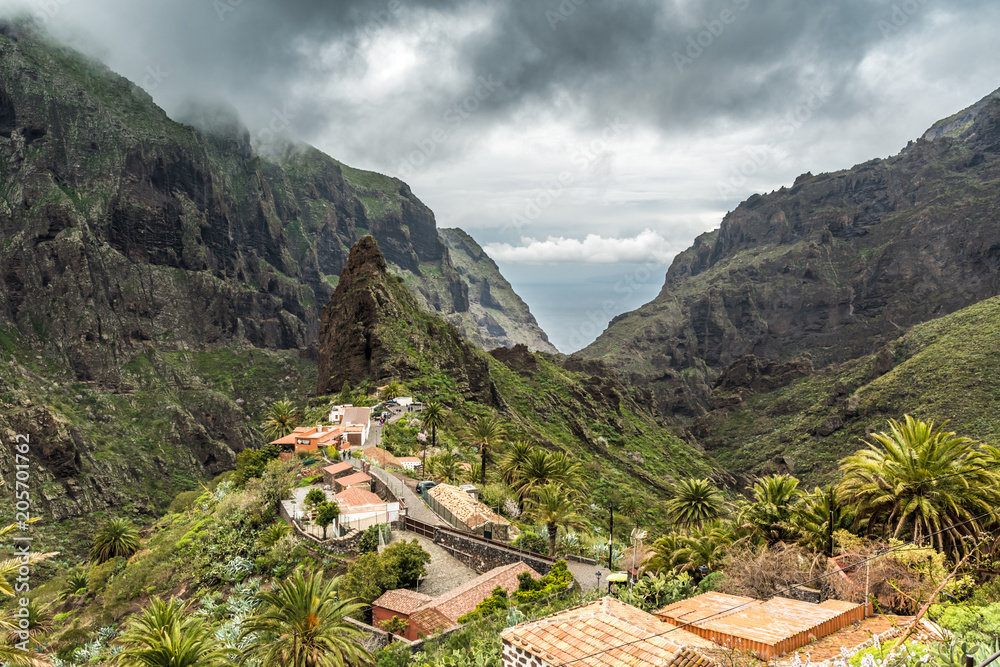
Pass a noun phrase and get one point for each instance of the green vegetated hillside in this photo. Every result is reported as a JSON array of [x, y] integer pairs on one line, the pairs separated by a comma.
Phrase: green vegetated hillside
[[944, 369], [374, 330], [174, 419]]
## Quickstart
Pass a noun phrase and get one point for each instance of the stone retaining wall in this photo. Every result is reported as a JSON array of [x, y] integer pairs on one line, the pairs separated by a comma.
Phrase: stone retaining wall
[[483, 556]]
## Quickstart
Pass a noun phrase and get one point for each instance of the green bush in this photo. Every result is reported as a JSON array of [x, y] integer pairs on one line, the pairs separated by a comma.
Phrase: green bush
[[407, 561], [368, 542], [183, 501], [530, 541], [494, 603], [251, 463], [555, 582]]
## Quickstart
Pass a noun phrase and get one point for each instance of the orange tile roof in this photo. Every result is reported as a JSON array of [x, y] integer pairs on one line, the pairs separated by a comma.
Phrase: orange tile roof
[[338, 467], [356, 478], [770, 628], [401, 600], [429, 621], [464, 506], [311, 433], [463, 599], [408, 459], [355, 497], [605, 632]]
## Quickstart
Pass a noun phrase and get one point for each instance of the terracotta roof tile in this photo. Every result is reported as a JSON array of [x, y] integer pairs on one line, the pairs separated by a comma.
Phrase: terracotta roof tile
[[380, 456], [463, 599], [355, 497], [338, 468], [464, 507], [603, 632], [356, 478], [402, 601]]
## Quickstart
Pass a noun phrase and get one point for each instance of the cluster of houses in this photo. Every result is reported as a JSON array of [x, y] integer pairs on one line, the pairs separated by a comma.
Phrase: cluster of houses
[[352, 490]]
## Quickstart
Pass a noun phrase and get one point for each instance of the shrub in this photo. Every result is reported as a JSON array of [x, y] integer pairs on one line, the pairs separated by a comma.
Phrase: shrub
[[183, 501], [368, 542], [494, 603], [406, 560], [555, 582], [530, 541], [251, 463]]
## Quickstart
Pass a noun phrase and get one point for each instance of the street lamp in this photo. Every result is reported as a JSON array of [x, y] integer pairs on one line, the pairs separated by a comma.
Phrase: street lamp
[[598, 581]]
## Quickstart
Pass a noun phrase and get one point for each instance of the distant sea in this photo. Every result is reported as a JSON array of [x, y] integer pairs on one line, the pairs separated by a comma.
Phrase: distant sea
[[573, 303]]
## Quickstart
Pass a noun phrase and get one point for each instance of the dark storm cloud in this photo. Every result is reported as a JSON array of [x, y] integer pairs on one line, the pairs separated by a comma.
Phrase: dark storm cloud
[[666, 64]]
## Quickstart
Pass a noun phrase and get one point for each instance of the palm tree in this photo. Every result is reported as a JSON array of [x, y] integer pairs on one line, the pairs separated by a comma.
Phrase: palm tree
[[514, 460], [541, 468], [920, 480], [118, 538], [770, 514], [554, 506], [301, 623], [392, 390], [660, 557], [282, 418], [445, 466], [166, 634], [487, 432], [695, 502], [11, 566], [812, 518], [432, 417], [705, 547]]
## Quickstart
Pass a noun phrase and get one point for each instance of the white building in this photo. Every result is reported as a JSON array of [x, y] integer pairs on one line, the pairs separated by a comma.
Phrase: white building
[[356, 423]]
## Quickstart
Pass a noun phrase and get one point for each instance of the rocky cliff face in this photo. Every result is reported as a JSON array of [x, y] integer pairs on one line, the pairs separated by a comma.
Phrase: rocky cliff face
[[374, 329], [123, 228], [158, 281], [823, 272], [497, 316]]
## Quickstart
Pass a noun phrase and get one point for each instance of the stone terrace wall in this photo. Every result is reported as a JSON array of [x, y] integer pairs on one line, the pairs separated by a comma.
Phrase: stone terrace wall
[[484, 556]]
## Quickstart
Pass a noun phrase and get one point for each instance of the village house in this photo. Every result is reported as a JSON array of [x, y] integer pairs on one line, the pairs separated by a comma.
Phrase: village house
[[770, 628], [356, 423], [464, 512], [428, 616], [360, 508], [357, 480], [336, 471], [310, 439], [605, 632], [408, 462]]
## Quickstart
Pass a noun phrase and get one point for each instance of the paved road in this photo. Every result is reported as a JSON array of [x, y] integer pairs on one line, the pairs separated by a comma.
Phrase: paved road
[[415, 506], [586, 575], [444, 572]]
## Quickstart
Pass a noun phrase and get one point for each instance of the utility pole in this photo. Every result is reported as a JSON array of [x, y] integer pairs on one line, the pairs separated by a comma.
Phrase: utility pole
[[611, 535], [830, 527]]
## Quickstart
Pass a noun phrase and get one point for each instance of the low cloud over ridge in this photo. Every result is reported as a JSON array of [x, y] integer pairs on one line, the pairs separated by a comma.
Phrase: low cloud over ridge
[[647, 247]]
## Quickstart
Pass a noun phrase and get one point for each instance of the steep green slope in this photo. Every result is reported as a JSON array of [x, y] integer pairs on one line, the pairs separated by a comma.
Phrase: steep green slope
[[174, 418], [945, 369], [374, 330]]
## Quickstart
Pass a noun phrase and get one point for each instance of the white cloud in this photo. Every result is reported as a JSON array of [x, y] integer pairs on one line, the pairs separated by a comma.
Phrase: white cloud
[[647, 247]]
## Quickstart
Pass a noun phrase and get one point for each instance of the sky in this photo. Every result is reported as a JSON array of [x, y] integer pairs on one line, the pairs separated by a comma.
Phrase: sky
[[583, 143]]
